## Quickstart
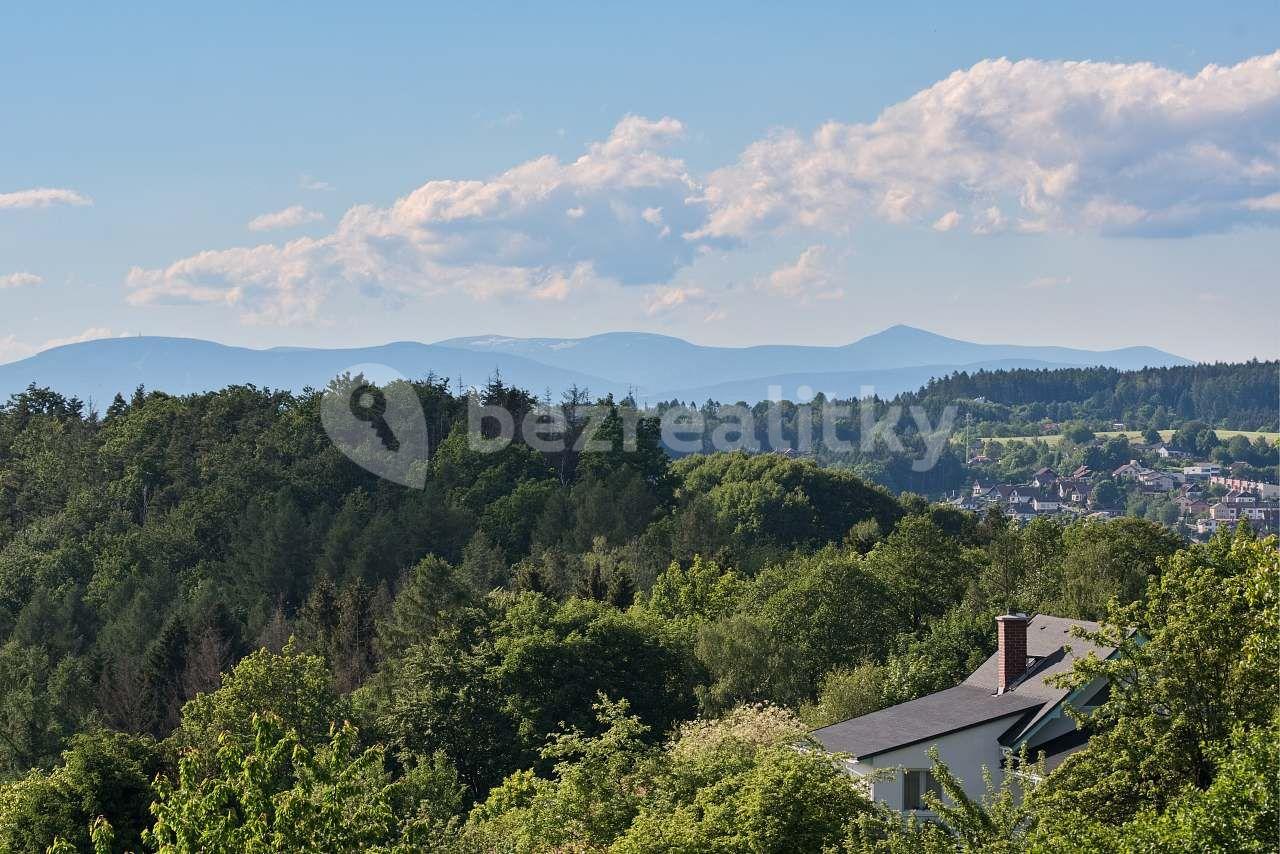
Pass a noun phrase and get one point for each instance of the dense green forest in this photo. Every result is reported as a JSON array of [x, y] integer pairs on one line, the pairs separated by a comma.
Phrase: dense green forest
[[219, 634], [1241, 396], [1192, 399]]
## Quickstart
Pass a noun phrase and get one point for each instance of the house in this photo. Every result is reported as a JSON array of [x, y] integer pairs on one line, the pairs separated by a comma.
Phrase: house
[[1158, 481], [1192, 506], [1263, 490], [1044, 477], [1015, 495], [1045, 502], [1072, 490], [1263, 518], [980, 488], [1005, 705], [1201, 471], [1082, 473], [1020, 513], [964, 501], [1131, 470], [1165, 452]]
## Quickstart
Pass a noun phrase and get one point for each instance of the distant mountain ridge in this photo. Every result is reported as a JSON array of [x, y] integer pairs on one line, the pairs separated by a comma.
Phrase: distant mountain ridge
[[660, 362], [655, 367]]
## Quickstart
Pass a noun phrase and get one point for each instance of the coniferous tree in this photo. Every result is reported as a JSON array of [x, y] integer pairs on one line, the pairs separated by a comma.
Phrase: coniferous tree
[[591, 583], [622, 592]]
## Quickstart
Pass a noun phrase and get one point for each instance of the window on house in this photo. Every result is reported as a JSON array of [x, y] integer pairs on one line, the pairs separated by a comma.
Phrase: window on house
[[915, 782]]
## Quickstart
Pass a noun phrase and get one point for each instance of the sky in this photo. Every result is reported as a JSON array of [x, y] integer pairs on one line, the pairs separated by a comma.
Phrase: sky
[[1094, 175]]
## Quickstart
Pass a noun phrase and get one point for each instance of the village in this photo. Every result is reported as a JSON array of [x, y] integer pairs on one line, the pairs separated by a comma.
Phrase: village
[[1192, 496]]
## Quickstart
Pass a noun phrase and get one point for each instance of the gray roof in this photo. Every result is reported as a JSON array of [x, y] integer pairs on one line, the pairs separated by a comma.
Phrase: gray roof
[[920, 720], [973, 701], [1048, 639]]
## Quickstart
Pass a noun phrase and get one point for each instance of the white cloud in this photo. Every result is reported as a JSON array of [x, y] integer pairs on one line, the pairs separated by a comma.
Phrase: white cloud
[[1029, 146], [93, 333], [1264, 203], [989, 221], [307, 182], [42, 197], [1032, 145], [290, 217], [667, 299], [653, 216], [11, 349], [806, 278], [19, 280], [538, 230], [947, 221], [1048, 282]]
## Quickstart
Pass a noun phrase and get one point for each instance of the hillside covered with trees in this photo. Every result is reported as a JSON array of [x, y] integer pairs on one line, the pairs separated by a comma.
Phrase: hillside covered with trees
[[217, 633], [1242, 396]]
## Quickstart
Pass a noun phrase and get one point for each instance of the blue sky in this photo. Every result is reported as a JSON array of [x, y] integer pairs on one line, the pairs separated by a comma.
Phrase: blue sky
[[321, 174]]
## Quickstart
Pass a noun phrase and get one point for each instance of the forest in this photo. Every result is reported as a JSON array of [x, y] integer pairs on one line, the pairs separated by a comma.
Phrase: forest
[[217, 633], [1238, 395], [1189, 399]]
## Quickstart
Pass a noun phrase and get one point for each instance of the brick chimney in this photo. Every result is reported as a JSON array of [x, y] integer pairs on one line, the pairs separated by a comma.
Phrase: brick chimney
[[1011, 650]]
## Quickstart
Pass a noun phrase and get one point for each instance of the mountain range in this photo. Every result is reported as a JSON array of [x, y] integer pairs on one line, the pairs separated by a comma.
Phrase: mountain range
[[654, 367]]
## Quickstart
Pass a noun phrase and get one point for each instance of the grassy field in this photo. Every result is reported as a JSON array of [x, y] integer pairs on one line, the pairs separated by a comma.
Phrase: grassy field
[[1055, 438]]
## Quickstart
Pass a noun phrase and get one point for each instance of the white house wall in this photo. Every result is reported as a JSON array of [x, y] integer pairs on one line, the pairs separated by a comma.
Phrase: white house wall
[[965, 752]]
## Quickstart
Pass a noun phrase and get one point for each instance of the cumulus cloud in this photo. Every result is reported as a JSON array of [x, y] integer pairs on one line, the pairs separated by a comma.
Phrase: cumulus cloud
[[12, 349], [19, 280], [665, 300], [538, 230], [43, 197], [671, 300], [1030, 145], [290, 217], [806, 278], [947, 221], [93, 333]]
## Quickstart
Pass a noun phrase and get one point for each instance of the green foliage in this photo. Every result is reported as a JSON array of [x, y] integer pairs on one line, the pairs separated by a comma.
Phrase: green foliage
[[102, 775], [490, 698], [293, 687], [950, 649], [767, 502], [702, 592], [154, 566], [846, 692], [736, 784], [923, 568], [1238, 811], [1200, 661], [280, 793], [596, 786], [797, 621]]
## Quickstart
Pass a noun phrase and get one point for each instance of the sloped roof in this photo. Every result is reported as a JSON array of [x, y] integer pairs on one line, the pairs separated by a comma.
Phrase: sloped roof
[[974, 700], [1048, 639], [919, 720]]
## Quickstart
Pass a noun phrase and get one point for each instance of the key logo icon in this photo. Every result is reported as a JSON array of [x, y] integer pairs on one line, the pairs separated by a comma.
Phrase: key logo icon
[[373, 416]]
